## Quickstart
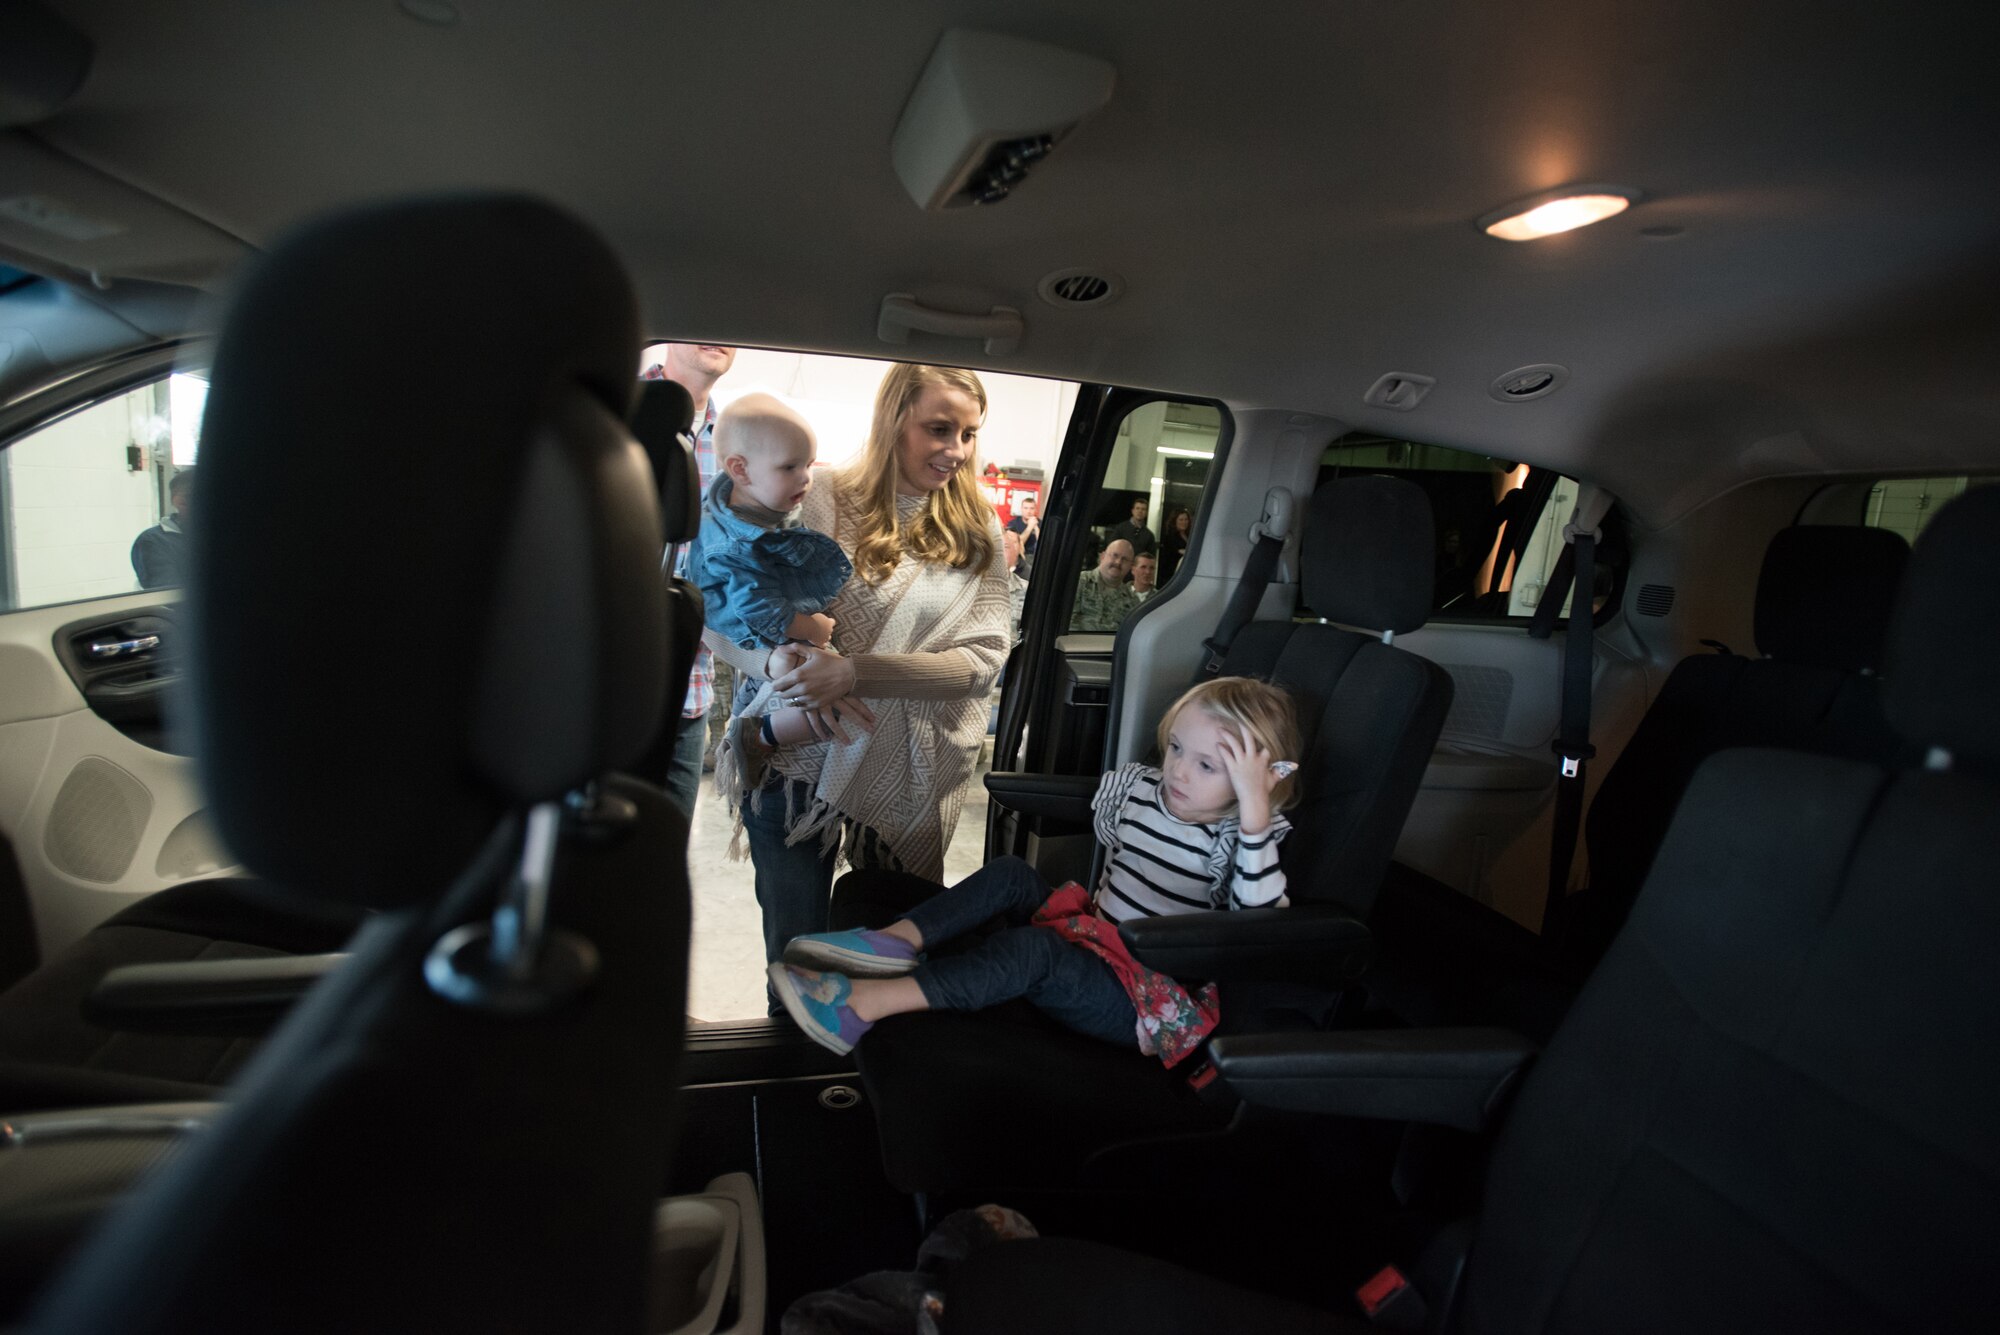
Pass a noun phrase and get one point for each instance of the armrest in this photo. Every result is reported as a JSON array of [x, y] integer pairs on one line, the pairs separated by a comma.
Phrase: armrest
[[218, 997], [1307, 943], [1064, 795], [1447, 1077]]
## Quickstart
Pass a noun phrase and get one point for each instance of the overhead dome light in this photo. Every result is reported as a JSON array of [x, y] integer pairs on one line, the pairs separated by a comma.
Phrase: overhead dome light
[[1557, 211]]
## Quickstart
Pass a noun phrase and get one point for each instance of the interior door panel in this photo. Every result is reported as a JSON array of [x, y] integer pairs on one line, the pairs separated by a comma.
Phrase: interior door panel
[[98, 810], [1482, 819]]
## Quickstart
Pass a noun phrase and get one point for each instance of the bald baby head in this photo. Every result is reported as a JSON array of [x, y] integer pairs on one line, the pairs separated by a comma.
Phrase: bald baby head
[[768, 450]]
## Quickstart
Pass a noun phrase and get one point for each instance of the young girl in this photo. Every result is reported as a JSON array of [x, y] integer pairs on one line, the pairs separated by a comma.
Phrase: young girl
[[1199, 834]]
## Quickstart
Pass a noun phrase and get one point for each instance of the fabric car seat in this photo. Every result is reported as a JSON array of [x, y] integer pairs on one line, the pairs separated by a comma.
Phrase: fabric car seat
[[56, 1051], [1771, 1108], [464, 1127], [951, 1090], [1823, 603]]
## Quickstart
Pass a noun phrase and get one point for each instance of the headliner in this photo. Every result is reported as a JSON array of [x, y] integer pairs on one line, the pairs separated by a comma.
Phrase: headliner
[[1288, 196]]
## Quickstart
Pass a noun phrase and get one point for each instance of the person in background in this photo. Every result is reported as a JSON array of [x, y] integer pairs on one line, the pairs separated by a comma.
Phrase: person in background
[[695, 367], [1145, 571], [1103, 598], [1174, 542], [1017, 587], [159, 554], [1027, 524], [1134, 531], [921, 631]]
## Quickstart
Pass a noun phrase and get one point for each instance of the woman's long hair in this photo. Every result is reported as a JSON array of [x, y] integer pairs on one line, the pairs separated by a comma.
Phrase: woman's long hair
[[954, 527]]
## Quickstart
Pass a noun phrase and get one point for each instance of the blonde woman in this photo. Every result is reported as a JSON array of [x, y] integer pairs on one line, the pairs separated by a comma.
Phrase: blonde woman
[[921, 632]]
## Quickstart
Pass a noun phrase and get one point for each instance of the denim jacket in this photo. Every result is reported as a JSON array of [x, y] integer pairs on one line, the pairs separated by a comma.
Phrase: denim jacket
[[754, 580]]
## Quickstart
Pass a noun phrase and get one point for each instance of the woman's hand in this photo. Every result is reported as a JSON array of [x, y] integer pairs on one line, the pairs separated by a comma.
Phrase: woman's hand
[[1252, 774], [831, 723], [820, 679]]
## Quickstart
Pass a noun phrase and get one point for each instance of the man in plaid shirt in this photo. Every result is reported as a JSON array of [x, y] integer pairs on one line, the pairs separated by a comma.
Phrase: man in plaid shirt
[[695, 367]]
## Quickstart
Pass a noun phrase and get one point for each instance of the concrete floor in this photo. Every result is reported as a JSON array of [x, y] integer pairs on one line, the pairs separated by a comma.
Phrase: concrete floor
[[726, 965]]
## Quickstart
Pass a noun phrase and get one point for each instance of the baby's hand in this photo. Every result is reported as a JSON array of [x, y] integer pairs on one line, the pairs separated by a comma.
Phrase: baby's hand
[[813, 628], [783, 659]]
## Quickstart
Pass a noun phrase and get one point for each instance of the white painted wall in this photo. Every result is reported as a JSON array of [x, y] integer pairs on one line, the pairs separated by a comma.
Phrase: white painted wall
[[75, 504], [1025, 417]]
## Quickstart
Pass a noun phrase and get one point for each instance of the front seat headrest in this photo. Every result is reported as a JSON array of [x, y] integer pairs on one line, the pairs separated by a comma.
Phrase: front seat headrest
[[1825, 594], [1944, 638], [388, 657], [1366, 556]]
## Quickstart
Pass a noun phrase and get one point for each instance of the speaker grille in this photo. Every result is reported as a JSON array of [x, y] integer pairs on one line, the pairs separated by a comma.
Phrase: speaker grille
[[1480, 698], [100, 812], [1656, 600]]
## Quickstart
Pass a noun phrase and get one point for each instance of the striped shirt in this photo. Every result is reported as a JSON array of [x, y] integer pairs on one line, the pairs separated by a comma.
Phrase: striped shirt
[[1158, 864]]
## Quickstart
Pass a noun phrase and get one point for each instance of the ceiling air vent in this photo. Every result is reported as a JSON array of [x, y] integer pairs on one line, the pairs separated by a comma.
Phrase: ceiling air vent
[[1528, 382], [1655, 600], [1080, 287]]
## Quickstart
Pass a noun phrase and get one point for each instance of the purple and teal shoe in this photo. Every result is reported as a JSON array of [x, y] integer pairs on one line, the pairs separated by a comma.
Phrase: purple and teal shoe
[[818, 1001], [862, 954]]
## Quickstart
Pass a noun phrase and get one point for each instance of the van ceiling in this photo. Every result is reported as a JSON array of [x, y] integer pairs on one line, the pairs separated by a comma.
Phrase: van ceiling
[[1287, 191]]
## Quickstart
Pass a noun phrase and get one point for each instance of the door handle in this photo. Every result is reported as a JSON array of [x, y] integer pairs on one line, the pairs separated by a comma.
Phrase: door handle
[[101, 650]]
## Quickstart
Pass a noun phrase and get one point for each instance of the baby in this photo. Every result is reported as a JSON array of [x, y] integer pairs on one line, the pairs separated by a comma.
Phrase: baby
[[765, 578]]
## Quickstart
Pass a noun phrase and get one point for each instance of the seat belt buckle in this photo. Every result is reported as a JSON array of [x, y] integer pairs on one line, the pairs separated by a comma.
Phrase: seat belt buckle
[[1389, 1299], [1573, 756]]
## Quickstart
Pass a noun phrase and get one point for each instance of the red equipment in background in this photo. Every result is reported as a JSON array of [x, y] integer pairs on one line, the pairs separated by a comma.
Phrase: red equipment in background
[[1005, 486]]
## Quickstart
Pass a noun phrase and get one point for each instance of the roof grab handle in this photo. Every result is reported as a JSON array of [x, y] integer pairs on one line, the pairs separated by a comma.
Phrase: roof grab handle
[[1001, 327]]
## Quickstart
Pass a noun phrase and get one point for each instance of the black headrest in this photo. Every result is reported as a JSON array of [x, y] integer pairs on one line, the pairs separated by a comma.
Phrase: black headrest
[[1367, 554], [1944, 640], [389, 656], [665, 413], [1825, 594]]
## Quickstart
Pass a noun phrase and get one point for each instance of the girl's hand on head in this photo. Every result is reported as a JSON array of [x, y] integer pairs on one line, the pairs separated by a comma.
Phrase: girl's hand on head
[[1247, 764]]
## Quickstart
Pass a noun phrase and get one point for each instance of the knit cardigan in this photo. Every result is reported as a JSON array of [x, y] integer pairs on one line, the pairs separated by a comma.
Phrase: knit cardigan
[[928, 642]]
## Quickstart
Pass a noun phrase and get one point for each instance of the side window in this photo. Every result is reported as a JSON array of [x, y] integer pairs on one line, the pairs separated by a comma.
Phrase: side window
[[1906, 504], [1499, 523], [1146, 510], [97, 503]]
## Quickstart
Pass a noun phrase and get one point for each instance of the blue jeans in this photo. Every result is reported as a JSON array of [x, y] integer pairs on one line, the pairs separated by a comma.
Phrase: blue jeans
[[684, 766], [1066, 982], [795, 882]]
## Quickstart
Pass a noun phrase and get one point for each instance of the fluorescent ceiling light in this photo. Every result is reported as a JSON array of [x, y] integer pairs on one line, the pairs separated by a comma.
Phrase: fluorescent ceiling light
[[1557, 211], [1180, 452]]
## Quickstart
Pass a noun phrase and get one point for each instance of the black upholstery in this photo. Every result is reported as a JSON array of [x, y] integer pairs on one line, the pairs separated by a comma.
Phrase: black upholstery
[[391, 1160], [439, 562], [1824, 594], [948, 1089], [1771, 1108], [1945, 635], [1367, 553], [54, 1058]]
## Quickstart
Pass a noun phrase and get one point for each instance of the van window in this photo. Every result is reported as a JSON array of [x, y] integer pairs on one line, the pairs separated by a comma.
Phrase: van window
[[1906, 504], [1499, 522], [92, 504]]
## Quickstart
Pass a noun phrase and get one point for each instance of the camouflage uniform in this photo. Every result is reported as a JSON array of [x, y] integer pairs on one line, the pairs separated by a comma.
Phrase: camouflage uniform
[[1100, 606]]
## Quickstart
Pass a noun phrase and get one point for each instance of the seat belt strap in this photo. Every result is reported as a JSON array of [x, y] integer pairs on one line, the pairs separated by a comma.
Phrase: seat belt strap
[[1269, 534], [1572, 744], [1243, 603]]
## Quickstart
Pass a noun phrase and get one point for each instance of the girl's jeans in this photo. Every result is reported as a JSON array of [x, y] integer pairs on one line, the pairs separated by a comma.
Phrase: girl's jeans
[[1065, 981]]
